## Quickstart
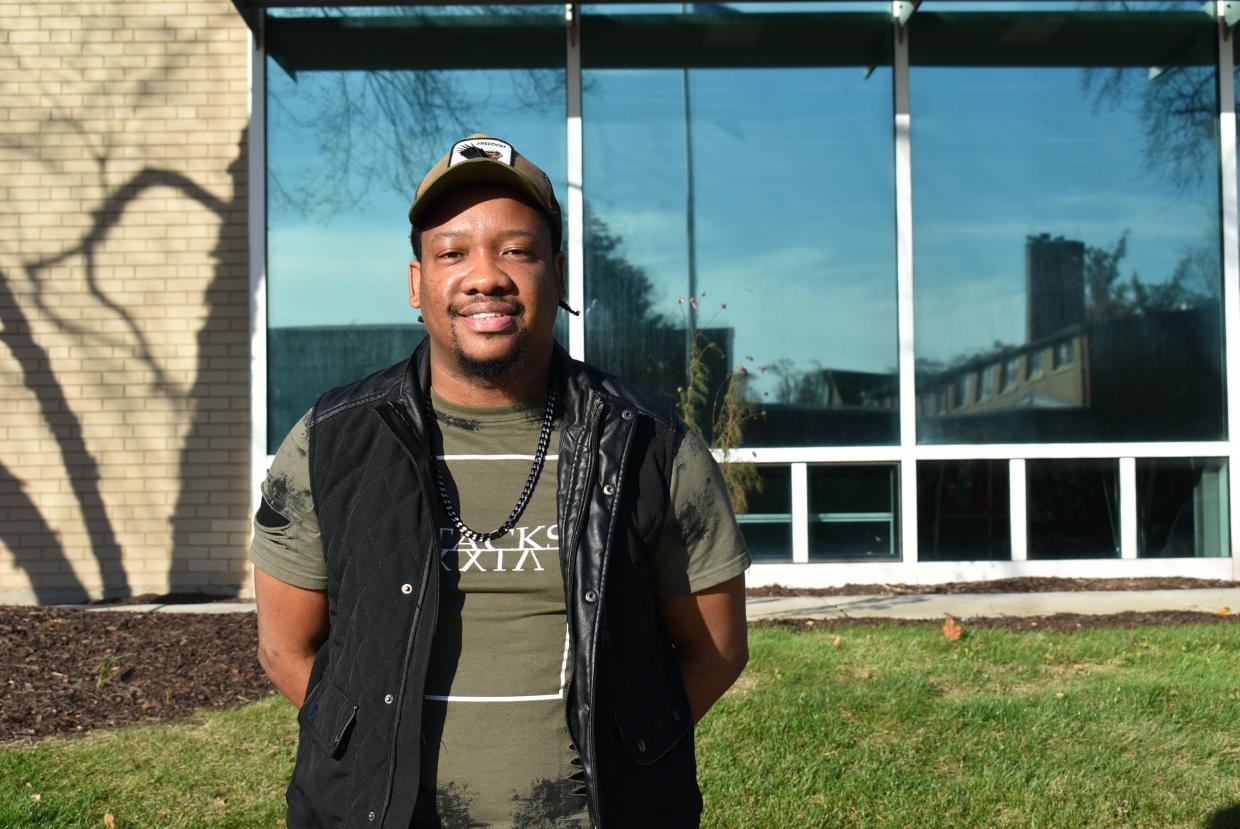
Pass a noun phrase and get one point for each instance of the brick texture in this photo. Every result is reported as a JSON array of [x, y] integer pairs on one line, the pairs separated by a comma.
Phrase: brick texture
[[124, 299]]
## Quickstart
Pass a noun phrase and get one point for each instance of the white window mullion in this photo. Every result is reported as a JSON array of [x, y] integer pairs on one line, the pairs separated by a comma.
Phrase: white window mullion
[[1127, 507], [904, 297], [800, 512], [257, 200], [1018, 509], [576, 199], [1231, 257]]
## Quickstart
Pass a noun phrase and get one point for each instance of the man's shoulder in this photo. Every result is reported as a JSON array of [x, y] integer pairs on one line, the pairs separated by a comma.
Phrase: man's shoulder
[[370, 388]]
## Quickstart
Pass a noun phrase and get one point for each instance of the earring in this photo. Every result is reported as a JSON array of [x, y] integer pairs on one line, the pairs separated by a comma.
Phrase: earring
[[419, 317]]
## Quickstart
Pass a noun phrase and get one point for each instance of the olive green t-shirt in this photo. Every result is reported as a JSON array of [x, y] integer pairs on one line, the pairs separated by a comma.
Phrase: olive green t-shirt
[[498, 752]]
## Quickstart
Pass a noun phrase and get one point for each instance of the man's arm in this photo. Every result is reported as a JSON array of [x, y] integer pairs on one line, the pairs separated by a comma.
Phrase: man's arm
[[292, 624], [710, 634]]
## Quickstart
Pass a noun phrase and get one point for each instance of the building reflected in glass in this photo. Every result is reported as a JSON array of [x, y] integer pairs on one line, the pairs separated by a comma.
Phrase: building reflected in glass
[[966, 268]]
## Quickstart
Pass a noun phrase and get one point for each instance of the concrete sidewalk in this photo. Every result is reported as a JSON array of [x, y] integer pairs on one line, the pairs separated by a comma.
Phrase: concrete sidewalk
[[974, 605], [904, 606]]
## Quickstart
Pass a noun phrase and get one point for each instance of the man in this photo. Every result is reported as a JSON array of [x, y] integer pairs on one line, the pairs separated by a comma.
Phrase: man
[[461, 662]]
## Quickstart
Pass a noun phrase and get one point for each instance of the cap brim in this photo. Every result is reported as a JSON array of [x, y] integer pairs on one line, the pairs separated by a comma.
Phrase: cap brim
[[477, 171]]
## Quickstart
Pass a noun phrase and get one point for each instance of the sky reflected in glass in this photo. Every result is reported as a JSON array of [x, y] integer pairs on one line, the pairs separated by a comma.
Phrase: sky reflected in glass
[[1065, 224]]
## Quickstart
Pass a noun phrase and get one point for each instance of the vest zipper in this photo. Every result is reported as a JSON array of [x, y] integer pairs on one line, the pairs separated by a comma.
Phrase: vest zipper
[[584, 747], [592, 431], [397, 420]]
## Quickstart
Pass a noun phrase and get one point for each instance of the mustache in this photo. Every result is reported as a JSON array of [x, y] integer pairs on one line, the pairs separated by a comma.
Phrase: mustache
[[513, 307]]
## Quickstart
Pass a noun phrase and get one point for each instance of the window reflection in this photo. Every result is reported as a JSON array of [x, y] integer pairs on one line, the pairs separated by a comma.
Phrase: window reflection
[[962, 511], [767, 526], [706, 169], [1073, 508], [853, 514], [354, 118], [1067, 219], [1182, 508]]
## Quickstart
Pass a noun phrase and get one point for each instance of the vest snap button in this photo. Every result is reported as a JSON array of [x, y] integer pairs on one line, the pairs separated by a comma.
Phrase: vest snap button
[[608, 489], [370, 816], [406, 589], [641, 746], [591, 596], [388, 698], [627, 414]]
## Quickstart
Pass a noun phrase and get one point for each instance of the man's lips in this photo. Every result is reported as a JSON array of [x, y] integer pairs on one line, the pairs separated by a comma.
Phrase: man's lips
[[489, 317]]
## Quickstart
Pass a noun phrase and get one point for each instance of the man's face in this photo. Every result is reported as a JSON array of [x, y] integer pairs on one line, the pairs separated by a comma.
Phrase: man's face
[[488, 286]]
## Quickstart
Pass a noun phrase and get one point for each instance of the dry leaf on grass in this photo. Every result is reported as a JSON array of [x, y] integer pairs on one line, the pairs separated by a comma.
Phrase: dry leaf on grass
[[109, 821], [952, 629], [1223, 611]]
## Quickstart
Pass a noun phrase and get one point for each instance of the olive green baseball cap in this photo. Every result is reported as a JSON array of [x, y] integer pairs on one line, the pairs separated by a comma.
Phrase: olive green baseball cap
[[485, 159]]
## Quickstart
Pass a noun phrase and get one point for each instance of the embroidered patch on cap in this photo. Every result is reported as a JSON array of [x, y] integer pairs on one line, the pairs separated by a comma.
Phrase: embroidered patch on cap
[[472, 148]]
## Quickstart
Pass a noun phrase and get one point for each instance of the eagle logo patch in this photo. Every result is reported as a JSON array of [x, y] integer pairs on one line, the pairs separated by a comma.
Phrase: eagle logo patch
[[472, 148]]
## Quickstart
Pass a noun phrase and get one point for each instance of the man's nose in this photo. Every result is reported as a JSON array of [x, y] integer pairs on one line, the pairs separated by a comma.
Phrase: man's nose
[[488, 275]]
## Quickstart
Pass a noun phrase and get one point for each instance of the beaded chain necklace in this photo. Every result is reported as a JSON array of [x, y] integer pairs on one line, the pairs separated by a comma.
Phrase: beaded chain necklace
[[540, 456]]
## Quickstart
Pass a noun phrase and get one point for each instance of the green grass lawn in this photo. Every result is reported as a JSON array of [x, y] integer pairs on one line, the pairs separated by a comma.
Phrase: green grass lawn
[[888, 726]]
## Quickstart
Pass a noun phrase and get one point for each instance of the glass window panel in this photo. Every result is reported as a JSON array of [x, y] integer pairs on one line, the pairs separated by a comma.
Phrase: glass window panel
[[747, 193], [1065, 200], [963, 511], [1073, 508], [767, 526], [1011, 373], [987, 386], [1036, 361], [355, 117], [853, 514], [1182, 508]]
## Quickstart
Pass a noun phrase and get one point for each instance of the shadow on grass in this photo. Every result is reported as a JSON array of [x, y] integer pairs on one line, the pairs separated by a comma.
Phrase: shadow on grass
[[1227, 817]]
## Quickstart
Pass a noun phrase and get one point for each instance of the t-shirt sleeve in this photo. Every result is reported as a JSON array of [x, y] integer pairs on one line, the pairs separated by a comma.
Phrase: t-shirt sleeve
[[286, 542], [700, 544]]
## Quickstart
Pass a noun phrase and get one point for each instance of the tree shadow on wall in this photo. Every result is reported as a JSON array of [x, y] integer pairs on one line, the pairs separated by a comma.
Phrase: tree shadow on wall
[[27, 534], [213, 464], [41, 544]]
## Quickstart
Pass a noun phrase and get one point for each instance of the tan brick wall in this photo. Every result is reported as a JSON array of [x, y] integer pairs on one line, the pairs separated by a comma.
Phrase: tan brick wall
[[124, 298]]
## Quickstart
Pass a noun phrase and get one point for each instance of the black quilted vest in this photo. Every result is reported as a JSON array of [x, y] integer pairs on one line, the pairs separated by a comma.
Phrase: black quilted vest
[[359, 748]]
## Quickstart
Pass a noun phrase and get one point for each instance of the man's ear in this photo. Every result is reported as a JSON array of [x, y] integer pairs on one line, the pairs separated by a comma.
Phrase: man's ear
[[415, 283]]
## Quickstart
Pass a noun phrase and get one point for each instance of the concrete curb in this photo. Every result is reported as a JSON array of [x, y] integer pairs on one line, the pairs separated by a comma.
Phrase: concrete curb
[[202, 607], [975, 605], [890, 606]]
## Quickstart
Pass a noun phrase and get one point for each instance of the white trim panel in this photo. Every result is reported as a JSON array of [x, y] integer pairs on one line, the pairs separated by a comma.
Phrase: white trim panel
[[821, 574], [576, 196], [907, 345], [1230, 209], [800, 512], [1018, 505], [1128, 508], [992, 451], [257, 196]]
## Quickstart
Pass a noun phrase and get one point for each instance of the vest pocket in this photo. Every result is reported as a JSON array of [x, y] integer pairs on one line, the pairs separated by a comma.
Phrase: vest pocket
[[652, 722], [327, 718]]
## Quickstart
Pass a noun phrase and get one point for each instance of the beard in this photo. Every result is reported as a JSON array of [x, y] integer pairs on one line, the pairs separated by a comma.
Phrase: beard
[[491, 371]]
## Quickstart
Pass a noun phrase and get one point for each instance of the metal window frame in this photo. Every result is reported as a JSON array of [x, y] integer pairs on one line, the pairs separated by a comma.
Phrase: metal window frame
[[260, 461], [905, 454]]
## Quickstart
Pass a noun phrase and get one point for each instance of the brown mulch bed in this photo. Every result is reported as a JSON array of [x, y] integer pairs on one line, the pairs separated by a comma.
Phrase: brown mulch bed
[[68, 671], [1021, 585], [65, 671]]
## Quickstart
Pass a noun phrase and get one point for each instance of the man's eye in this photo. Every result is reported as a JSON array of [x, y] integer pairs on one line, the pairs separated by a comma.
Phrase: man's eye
[[450, 254], [518, 252]]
